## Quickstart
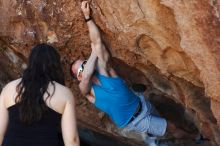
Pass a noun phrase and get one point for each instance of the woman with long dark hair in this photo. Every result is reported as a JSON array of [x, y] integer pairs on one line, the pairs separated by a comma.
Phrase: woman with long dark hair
[[33, 107]]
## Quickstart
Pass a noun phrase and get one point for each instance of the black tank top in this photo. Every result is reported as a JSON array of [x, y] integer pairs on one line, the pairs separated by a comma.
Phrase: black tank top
[[41, 133]]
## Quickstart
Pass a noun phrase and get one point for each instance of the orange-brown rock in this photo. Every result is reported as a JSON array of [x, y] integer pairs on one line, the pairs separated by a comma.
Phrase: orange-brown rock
[[172, 46]]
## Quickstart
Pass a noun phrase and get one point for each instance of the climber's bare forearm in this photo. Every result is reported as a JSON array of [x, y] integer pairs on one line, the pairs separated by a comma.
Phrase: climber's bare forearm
[[94, 32], [85, 84], [97, 43]]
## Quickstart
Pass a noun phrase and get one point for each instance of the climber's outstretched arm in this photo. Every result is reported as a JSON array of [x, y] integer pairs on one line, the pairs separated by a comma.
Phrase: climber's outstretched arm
[[95, 36], [89, 68]]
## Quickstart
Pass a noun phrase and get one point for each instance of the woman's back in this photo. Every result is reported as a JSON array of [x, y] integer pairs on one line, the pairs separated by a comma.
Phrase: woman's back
[[39, 133], [32, 108]]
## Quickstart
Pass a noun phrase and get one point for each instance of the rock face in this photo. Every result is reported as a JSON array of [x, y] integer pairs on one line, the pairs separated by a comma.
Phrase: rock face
[[172, 46]]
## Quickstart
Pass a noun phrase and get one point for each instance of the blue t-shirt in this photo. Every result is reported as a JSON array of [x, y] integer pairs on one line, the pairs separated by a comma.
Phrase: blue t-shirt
[[115, 99]]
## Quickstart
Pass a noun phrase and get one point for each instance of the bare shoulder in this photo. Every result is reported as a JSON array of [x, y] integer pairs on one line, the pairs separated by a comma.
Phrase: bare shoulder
[[9, 92], [64, 92], [61, 95], [10, 87]]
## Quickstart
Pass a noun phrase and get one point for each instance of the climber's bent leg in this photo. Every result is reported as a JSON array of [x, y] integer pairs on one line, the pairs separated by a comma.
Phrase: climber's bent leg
[[145, 122]]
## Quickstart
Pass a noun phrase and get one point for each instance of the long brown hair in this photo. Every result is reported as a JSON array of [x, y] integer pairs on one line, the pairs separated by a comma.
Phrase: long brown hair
[[44, 67]]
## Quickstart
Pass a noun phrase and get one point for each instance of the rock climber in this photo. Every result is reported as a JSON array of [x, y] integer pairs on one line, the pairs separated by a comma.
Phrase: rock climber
[[102, 86]]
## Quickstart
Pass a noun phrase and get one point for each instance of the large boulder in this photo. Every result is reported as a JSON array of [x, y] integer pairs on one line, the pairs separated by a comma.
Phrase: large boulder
[[172, 46]]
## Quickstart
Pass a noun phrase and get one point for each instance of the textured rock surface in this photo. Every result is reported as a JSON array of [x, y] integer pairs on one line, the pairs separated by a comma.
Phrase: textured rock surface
[[172, 46]]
